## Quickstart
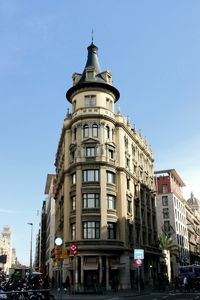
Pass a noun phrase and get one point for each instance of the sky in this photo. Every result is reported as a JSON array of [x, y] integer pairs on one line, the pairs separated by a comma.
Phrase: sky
[[152, 49]]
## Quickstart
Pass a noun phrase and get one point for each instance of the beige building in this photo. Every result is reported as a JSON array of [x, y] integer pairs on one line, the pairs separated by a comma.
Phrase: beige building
[[105, 202], [50, 222], [193, 226], [6, 249], [171, 214]]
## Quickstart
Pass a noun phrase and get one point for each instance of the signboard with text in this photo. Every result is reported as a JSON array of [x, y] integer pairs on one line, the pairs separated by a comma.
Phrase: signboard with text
[[138, 253]]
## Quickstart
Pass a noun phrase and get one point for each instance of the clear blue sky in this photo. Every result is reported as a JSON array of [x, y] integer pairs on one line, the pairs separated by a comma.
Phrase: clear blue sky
[[153, 50]]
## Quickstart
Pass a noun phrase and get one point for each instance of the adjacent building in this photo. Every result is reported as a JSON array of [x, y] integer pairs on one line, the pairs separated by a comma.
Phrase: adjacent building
[[193, 226], [105, 192], [50, 223], [172, 214], [6, 249]]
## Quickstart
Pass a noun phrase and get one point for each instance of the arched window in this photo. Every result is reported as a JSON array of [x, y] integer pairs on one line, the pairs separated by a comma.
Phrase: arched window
[[107, 132], [94, 130], [85, 130]]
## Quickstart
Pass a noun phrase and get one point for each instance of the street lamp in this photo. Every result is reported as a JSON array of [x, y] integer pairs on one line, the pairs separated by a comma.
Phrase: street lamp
[[58, 242], [31, 242]]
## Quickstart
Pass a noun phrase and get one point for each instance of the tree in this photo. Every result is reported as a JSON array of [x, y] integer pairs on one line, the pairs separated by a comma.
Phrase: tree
[[169, 249], [166, 243]]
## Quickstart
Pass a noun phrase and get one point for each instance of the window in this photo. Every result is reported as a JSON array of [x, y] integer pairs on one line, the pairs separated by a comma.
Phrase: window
[[90, 101], [73, 201], [91, 200], [111, 230], [128, 183], [74, 178], [166, 226], [111, 154], [166, 213], [74, 105], [73, 231], [91, 230], [109, 104], [164, 188], [90, 175], [90, 74], [107, 132], [94, 130], [90, 151], [164, 200], [111, 202], [127, 162], [85, 130], [110, 177], [129, 206], [75, 131]]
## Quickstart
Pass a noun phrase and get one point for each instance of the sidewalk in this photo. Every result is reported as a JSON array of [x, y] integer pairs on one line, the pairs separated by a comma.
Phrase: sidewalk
[[121, 293]]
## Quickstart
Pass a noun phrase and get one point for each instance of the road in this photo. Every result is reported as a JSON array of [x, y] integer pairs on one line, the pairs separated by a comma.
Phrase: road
[[118, 296]]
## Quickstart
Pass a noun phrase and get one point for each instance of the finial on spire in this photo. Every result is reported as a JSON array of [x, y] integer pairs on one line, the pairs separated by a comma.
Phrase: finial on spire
[[92, 35]]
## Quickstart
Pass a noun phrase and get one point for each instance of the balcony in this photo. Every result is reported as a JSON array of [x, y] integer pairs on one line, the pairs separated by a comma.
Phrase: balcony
[[99, 245]]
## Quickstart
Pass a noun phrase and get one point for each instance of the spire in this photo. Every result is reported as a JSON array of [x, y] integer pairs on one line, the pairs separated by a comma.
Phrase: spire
[[92, 75], [92, 59]]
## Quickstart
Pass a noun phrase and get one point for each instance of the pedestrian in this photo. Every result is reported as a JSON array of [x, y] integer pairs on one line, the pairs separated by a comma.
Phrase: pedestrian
[[185, 284], [176, 284]]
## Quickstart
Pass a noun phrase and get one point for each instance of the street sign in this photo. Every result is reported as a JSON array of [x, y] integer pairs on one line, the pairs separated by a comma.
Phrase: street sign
[[73, 249], [138, 262], [138, 253]]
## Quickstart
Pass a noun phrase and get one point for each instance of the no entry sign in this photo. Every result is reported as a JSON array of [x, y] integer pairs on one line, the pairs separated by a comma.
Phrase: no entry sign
[[138, 262]]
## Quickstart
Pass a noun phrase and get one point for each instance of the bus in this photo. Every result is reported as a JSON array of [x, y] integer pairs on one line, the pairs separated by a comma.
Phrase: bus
[[192, 272]]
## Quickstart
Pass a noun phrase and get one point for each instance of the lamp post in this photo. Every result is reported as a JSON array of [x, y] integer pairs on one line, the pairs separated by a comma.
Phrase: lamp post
[[58, 242], [31, 242]]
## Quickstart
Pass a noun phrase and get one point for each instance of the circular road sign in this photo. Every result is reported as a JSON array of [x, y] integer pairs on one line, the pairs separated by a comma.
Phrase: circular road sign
[[138, 262]]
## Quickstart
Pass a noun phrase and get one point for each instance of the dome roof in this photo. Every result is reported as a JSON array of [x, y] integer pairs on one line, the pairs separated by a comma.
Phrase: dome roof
[[193, 201]]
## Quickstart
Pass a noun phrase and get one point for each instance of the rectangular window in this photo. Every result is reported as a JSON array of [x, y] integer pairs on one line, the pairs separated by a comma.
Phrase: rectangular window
[[90, 101], [111, 202], [91, 175], [90, 74], [73, 201], [166, 213], [91, 230], [73, 231], [166, 226], [74, 178], [127, 163], [111, 153], [90, 151], [129, 206], [164, 189], [111, 230], [110, 177], [128, 183], [90, 200], [164, 200]]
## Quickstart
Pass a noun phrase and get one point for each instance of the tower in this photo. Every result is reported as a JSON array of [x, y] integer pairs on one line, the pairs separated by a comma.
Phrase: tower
[[104, 185]]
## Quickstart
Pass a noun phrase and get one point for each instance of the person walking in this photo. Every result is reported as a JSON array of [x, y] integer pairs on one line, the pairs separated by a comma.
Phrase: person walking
[[185, 284]]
